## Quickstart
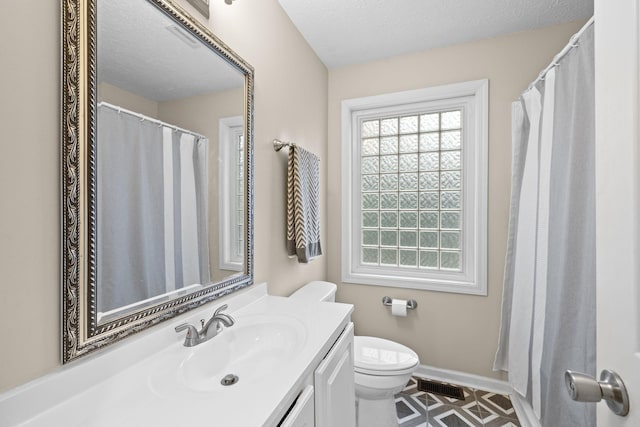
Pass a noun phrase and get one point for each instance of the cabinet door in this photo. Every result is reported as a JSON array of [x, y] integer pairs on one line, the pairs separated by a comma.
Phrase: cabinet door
[[334, 382], [301, 414]]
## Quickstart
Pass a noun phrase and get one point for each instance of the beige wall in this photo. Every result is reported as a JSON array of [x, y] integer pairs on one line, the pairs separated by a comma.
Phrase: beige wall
[[291, 103], [449, 331], [29, 190], [127, 100]]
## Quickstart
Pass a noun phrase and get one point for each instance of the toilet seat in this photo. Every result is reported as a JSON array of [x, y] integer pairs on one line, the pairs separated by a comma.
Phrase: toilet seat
[[378, 356]]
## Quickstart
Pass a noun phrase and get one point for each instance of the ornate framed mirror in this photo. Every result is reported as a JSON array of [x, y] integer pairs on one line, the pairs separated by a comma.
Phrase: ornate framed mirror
[[156, 169]]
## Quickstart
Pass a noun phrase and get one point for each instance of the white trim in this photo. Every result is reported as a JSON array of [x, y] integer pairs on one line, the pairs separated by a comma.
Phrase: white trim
[[464, 379], [227, 174], [523, 409], [473, 98]]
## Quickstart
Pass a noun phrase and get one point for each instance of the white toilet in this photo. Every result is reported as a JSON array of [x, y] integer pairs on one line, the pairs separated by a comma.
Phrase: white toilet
[[382, 367]]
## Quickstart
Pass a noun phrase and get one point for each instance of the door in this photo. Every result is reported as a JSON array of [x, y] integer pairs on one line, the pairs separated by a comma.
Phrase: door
[[618, 200], [302, 414], [334, 382]]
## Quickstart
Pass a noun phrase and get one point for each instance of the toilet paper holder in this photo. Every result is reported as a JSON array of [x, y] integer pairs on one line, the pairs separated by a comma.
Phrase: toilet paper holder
[[411, 304]]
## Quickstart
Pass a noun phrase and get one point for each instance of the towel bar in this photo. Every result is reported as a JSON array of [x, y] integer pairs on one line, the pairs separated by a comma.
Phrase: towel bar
[[277, 144]]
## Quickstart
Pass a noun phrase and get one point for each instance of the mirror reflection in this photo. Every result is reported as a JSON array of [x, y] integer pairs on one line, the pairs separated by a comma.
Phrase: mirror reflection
[[170, 202]]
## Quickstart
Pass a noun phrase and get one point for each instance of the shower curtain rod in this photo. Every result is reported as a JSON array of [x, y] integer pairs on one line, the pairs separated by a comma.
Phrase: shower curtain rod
[[573, 43], [142, 118]]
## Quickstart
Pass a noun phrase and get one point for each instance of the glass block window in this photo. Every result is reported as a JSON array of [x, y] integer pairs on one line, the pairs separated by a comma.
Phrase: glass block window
[[238, 248], [415, 188], [411, 195], [231, 188]]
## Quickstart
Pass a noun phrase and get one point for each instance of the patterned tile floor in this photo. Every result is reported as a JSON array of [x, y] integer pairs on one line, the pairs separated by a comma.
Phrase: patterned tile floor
[[479, 408]]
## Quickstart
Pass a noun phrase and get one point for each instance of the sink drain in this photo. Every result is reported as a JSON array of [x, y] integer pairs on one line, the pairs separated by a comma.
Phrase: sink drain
[[229, 379]]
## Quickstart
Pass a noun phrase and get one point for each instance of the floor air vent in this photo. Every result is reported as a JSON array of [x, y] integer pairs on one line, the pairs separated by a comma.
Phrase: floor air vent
[[434, 387]]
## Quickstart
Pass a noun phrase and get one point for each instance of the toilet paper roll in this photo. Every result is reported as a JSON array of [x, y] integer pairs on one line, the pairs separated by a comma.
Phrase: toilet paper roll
[[399, 307]]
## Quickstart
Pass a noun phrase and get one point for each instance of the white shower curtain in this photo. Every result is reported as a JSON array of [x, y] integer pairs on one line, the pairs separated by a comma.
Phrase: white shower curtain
[[548, 311], [152, 197], [185, 165]]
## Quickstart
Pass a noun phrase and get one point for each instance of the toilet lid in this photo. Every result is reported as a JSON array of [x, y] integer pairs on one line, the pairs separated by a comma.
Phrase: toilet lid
[[377, 356]]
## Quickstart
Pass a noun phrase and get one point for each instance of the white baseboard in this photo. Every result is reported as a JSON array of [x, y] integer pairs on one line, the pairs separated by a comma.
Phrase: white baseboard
[[523, 409]]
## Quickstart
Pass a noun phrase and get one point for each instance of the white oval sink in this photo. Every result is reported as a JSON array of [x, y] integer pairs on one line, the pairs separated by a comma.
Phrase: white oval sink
[[253, 347]]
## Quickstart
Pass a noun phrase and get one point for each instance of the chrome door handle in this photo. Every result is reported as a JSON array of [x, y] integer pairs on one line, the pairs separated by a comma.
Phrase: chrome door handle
[[585, 388]]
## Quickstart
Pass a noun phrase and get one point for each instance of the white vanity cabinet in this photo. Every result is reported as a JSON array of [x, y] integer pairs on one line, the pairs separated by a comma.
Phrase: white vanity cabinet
[[302, 414], [153, 377], [330, 401], [334, 384]]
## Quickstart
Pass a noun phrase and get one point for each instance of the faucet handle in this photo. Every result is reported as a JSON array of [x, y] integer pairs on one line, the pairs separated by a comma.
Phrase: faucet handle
[[220, 309], [192, 336]]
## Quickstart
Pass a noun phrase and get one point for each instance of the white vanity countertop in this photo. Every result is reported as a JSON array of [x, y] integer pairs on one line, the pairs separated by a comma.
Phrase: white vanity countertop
[[130, 397]]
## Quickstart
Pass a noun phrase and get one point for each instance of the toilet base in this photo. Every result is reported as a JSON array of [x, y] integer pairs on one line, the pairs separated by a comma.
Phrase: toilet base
[[376, 413]]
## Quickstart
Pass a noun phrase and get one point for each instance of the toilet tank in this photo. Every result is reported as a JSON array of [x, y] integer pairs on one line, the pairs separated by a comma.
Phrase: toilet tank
[[317, 290]]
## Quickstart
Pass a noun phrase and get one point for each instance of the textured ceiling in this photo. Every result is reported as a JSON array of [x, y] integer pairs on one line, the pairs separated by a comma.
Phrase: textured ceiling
[[344, 32], [142, 51]]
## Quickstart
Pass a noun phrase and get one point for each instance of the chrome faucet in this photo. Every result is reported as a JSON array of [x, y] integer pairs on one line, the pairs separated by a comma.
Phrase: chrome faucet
[[209, 330]]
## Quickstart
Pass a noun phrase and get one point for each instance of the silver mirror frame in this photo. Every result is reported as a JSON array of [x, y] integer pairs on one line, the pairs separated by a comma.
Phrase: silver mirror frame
[[81, 334]]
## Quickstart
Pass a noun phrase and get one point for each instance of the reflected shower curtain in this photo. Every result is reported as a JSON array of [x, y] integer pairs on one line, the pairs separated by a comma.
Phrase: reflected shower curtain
[[548, 309], [152, 197], [186, 209]]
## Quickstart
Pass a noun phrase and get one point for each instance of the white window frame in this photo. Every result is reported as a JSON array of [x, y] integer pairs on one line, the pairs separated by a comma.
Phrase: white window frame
[[230, 254], [473, 98]]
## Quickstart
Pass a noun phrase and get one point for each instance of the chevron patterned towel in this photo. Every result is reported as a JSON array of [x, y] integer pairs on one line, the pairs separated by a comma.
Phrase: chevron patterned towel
[[303, 204]]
